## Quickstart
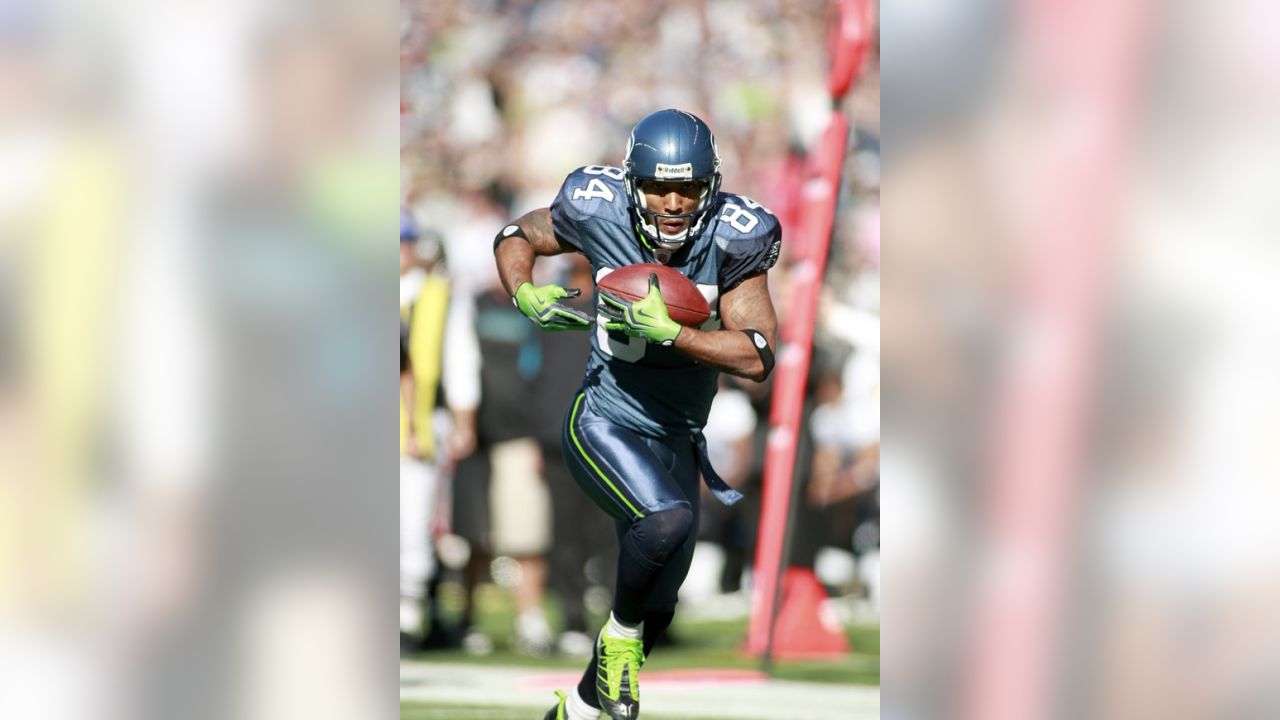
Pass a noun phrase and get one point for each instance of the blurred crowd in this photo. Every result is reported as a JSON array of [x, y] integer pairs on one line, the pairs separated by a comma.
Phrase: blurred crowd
[[500, 100]]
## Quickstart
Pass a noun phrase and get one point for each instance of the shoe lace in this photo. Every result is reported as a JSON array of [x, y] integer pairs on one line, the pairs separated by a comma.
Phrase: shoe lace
[[620, 653]]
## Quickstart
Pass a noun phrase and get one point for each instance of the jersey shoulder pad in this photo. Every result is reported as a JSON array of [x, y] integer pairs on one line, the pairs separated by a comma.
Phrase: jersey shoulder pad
[[589, 195], [593, 191], [749, 237], [741, 217]]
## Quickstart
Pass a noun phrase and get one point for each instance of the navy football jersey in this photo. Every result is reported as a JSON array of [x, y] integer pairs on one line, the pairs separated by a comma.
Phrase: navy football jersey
[[651, 389]]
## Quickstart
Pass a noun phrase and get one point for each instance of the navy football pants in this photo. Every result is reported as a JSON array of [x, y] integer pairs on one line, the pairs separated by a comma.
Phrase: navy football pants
[[631, 476]]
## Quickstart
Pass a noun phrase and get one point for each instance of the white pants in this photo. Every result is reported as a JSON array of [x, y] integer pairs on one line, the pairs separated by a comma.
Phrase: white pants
[[417, 562]]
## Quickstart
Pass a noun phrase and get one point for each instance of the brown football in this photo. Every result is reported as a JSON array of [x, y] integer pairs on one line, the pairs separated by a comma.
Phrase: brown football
[[685, 304]]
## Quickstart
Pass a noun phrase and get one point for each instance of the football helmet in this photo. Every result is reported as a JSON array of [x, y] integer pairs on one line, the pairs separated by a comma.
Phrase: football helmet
[[671, 145]]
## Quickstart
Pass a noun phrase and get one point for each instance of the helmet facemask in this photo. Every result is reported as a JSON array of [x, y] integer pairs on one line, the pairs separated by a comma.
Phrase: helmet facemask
[[648, 222]]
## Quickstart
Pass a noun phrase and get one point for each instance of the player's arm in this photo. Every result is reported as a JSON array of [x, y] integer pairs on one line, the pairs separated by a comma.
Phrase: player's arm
[[515, 248], [744, 348], [745, 345]]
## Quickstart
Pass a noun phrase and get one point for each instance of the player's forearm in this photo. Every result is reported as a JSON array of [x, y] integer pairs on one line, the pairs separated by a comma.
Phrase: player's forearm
[[728, 351], [514, 257], [750, 330]]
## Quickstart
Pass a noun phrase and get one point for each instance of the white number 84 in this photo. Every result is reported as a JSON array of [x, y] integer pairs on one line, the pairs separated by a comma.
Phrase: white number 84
[[595, 186], [741, 220]]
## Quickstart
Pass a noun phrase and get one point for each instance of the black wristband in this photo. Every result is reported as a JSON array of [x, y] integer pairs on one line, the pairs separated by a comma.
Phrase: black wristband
[[509, 231], [762, 348]]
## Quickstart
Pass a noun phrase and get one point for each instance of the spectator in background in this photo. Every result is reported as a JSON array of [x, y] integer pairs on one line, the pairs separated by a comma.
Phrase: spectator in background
[[470, 231], [488, 89], [844, 484], [846, 424], [583, 536], [515, 496], [730, 431], [845, 477], [470, 520], [437, 347]]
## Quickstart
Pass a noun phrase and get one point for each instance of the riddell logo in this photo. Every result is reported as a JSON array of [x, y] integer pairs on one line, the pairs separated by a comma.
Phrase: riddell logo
[[675, 172]]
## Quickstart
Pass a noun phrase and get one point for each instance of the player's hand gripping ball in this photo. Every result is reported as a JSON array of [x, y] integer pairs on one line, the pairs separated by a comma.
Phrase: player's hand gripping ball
[[542, 305], [651, 301]]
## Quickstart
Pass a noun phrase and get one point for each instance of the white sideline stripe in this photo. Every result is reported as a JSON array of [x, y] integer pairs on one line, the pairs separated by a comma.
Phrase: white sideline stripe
[[455, 684]]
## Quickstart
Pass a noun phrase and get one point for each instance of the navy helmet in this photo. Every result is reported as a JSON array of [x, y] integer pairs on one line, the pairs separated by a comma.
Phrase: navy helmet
[[671, 145], [408, 226]]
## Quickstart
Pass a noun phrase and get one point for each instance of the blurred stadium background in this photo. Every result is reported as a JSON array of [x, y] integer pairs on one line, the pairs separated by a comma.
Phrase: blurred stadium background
[[196, 513]]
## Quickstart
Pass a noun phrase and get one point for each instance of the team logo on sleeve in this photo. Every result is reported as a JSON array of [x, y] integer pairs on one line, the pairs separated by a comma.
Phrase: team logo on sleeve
[[771, 257]]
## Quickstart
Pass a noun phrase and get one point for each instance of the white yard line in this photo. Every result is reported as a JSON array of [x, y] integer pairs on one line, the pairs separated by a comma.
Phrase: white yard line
[[742, 699]]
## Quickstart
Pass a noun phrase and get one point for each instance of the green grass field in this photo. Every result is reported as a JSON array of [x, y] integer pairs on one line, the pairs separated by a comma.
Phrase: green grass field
[[702, 644]]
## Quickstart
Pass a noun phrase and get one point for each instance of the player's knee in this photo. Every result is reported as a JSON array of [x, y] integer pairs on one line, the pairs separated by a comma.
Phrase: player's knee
[[657, 537]]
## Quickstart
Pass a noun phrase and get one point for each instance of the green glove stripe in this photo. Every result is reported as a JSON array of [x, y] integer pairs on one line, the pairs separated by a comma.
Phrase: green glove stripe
[[646, 317], [540, 305]]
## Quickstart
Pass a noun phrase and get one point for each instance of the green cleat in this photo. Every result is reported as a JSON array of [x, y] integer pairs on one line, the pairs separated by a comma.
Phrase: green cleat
[[558, 712], [618, 676]]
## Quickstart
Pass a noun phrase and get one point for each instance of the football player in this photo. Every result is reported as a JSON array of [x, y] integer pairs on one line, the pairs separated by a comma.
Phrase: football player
[[633, 434]]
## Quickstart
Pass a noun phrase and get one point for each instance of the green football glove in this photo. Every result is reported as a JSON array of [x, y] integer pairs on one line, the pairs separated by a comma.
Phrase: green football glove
[[542, 306], [646, 318]]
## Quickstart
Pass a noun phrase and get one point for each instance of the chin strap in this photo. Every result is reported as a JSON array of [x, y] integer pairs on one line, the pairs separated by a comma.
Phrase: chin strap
[[660, 254], [664, 254], [644, 239]]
